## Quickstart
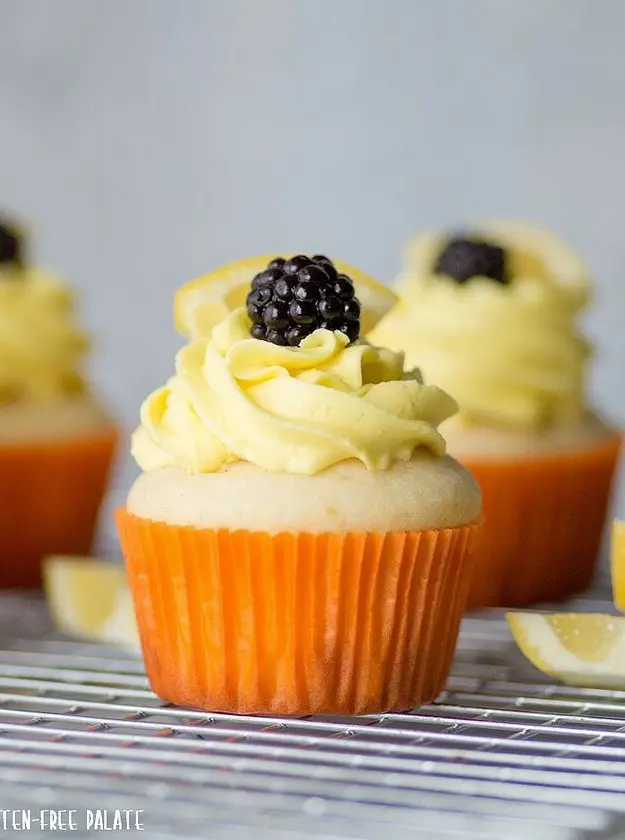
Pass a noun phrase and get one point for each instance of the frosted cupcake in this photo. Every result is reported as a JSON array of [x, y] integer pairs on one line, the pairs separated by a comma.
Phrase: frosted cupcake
[[299, 541], [492, 316], [56, 441]]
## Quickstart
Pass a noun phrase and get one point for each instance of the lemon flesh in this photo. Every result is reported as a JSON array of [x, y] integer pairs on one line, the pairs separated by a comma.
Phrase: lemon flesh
[[617, 558], [585, 650], [202, 303], [90, 598]]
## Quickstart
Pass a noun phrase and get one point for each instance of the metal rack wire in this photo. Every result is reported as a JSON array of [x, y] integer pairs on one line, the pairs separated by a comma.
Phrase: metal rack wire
[[504, 753]]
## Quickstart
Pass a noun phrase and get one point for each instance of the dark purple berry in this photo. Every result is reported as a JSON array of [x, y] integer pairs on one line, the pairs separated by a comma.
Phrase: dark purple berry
[[255, 313], [330, 308], [11, 245], [259, 297], [276, 337], [284, 287], [331, 271], [296, 334], [463, 259], [343, 287], [307, 291], [303, 311], [293, 265], [327, 265], [266, 279], [351, 310], [292, 298], [277, 263], [276, 315], [256, 302], [313, 274]]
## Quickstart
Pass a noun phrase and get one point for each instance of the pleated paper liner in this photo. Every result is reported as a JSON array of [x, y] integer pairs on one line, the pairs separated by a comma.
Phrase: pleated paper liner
[[50, 495], [296, 623], [543, 523]]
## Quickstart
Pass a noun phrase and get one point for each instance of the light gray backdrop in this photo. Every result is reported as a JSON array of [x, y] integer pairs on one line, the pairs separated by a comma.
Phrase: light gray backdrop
[[151, 140]]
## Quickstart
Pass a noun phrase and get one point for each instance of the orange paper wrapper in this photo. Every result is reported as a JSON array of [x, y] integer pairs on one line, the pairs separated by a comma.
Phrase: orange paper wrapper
[[296, 623], [50, 494], [543, 524]]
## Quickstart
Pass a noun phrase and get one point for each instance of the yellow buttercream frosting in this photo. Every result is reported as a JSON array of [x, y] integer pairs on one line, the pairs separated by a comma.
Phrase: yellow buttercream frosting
[[40, 346], [511, 355], [284, 409]]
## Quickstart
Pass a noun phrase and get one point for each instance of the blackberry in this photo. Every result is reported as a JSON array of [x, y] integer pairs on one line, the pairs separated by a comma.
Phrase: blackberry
[[11, 245], [463, 259], [266, 279], [343, 287], [293, 265], [327, 265], [276, 337], [330, 308], [309, 290], [292, 298], [303, 312], [276, 315]]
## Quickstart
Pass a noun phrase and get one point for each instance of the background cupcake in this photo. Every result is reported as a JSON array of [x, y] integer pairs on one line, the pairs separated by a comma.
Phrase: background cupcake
[[56, 441], [491, 315], [298, 541]]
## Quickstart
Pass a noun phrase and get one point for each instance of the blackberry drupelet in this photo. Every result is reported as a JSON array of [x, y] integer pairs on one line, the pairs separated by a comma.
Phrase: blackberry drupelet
[[10, 245], [292, 298], [463, 259]]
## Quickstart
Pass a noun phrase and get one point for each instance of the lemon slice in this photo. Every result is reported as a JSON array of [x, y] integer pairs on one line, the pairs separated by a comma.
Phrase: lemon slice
[[618, 563], [530, 252], [536, 252], [90, 598], [200, 304], [582, 649]]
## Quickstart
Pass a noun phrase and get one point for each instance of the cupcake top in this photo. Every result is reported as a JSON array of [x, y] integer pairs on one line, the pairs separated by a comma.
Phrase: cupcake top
[[286, 384], [41, 348], [491, 316]]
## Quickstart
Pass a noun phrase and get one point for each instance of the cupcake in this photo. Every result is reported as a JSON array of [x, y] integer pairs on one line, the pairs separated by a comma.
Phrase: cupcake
[[56, 441], [492, 317], [298, 541]]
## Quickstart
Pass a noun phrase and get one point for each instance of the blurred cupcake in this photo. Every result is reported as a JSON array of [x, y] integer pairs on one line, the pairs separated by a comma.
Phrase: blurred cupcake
[[298, 541], [56, 441], [491, 316]]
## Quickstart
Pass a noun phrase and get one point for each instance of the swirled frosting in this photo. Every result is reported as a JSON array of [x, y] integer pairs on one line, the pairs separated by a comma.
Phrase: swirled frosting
[[511, 355], [40, 346], [294, 410]]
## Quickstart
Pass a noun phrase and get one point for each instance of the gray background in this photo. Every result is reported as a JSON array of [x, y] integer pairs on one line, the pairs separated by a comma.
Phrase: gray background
[[150, 140]]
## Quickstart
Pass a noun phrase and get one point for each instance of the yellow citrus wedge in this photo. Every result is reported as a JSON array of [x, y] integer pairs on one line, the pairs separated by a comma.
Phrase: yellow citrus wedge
[[203, 302], [582, 649], [536, 252], [617, 556], [90, 598]]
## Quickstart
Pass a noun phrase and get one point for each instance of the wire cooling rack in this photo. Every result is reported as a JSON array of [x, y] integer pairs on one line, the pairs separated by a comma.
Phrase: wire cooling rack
[[504, 753]]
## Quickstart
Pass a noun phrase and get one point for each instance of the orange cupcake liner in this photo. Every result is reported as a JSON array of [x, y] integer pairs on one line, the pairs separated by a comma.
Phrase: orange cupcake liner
[[543, 525], [50, 495], [296, 623]]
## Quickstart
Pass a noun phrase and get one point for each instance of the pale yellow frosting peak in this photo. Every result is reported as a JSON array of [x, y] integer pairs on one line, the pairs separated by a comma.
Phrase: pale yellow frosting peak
[[41, 347], [284, 409], [511, 355]]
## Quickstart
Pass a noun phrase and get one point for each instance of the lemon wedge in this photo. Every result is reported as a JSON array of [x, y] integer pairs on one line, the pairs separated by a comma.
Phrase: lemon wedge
[[90, 598], [617, 557], [536, 252], [582, 649], [202, 303]]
